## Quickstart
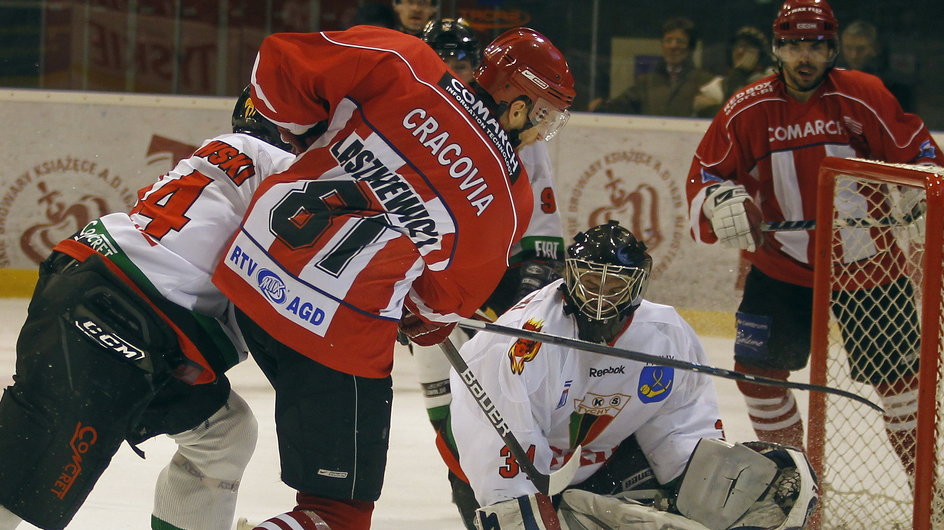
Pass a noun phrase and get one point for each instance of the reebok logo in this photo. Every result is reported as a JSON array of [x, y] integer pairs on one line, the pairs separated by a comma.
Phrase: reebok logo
[[608, 370], [109, 341]]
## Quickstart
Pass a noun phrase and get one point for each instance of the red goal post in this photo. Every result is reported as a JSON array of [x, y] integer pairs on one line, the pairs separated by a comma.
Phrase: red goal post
[[864, 239]]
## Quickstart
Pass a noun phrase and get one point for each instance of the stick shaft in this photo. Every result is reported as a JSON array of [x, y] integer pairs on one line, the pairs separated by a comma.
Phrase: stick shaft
[[604, 349], [810, 224], [547, 484]]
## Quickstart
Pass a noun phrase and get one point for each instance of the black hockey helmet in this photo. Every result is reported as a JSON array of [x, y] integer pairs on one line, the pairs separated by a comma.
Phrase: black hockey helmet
[[247, 120], [606, 274], [453, 37]]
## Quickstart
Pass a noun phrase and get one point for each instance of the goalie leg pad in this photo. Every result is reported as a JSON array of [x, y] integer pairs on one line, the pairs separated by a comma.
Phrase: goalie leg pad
[[582, 510], [531, 512], [722, 481], [198, 487]]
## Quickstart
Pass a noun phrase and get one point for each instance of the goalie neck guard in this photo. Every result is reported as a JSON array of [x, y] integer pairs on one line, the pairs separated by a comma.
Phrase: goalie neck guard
[[606, 274]]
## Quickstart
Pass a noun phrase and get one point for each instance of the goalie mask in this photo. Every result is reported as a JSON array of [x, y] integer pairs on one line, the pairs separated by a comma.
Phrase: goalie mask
[[247, 120], [606, 274]]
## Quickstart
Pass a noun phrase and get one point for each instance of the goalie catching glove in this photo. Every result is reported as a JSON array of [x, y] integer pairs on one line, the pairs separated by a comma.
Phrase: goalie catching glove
[[735, 219]]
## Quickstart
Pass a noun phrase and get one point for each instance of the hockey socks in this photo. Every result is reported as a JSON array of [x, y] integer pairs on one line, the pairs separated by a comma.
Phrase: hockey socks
[[900, 401], [773, 411], [297, 520], [198, 487]]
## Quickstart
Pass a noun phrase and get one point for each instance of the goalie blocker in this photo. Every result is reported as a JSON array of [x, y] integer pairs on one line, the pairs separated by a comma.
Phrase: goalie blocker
[[94, 368]]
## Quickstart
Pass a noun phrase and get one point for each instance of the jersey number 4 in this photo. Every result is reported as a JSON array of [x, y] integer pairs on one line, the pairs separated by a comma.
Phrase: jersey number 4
[[167, 205]]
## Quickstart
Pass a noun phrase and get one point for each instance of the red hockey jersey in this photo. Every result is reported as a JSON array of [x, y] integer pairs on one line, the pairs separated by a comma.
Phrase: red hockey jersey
[[414, 191], [773, 145]]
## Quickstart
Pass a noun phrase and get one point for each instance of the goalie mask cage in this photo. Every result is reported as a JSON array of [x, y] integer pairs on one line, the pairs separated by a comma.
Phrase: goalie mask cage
[[864, 240]]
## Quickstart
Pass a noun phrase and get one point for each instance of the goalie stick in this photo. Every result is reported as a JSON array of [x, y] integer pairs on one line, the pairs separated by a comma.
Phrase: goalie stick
[[603, 349], [549, 485], [855, 222]]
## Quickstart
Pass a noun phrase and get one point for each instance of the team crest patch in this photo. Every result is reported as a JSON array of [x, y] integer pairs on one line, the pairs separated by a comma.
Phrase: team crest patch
[[524, 350], [593, 414], [655, 383]]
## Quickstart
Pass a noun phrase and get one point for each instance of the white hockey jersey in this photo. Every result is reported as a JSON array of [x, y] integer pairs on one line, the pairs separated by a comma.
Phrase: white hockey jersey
[[554, 398], [543, 238], [173, 238]]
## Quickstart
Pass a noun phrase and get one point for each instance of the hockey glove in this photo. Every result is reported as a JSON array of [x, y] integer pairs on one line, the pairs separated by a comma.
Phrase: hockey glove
[[422, 332], [913, 206], [735, 219], [535, 274]]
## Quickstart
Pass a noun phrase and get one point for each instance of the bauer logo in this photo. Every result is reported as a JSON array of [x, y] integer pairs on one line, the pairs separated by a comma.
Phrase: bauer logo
[[655, 383], [271, 286]]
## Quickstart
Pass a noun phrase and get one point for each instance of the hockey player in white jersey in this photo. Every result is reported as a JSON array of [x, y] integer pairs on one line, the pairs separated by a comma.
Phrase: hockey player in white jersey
[[653, 454], [127, 338]]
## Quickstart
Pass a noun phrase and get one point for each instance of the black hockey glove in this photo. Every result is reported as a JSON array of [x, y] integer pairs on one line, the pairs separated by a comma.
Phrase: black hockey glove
[[535, 274]]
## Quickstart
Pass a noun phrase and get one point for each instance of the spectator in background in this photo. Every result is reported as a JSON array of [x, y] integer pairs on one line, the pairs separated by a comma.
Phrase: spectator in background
[[670, 89], [750, 61], [861, 50], [412, 15]]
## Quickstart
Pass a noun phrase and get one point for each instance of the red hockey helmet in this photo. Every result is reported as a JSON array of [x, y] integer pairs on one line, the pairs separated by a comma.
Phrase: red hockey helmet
[[806, 20], [521, 61]]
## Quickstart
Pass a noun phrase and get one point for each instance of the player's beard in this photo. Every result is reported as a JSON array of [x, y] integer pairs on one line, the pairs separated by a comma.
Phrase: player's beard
[[804, 77]]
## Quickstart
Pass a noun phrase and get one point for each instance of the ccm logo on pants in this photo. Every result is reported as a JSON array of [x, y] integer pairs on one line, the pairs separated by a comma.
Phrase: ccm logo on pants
[[110, 341]]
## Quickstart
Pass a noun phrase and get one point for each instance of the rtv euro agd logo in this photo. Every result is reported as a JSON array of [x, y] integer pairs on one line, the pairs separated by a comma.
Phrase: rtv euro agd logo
[[273, 288]]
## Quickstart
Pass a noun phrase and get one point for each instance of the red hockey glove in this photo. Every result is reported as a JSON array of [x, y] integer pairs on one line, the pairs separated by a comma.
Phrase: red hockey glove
[[424, 333]]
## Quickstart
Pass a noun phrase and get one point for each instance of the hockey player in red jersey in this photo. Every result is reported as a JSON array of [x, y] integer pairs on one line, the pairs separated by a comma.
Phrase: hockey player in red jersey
[[536, 261], [127, 338], [759, 161], [413, 196]]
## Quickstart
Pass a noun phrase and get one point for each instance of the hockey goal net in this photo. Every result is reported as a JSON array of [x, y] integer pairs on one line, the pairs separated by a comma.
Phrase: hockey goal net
[[877, 332]]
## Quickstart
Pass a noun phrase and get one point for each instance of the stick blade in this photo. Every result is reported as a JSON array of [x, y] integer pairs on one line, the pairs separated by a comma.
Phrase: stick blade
[[560, 479]]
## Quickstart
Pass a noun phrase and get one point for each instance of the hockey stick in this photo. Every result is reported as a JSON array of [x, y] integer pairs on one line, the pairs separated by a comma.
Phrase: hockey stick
[[855, 222], [549, 485], [603, 349]]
